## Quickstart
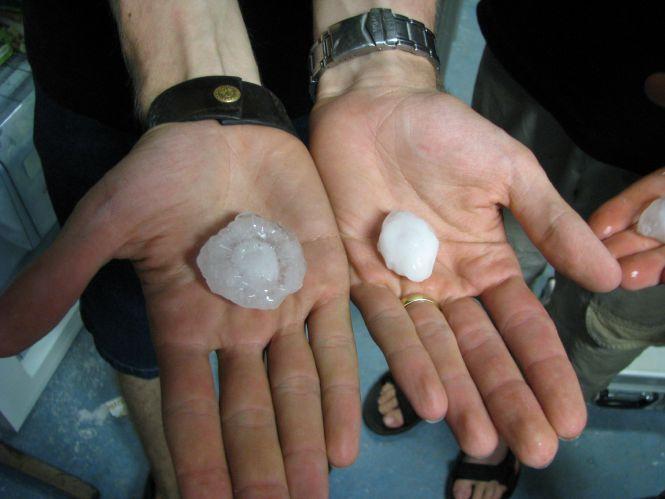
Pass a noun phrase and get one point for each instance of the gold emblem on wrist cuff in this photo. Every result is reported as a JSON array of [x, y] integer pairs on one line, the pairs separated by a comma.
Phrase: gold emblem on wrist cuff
[[226, 93]]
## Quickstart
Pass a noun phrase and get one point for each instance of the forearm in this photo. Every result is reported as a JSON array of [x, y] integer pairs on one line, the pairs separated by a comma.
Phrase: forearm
[[327, 12], [171, 41], [385, 68]]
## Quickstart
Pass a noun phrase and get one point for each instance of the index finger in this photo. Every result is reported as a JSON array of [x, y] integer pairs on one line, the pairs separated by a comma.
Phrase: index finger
[[533, 341], [514, 409], [629, 242]]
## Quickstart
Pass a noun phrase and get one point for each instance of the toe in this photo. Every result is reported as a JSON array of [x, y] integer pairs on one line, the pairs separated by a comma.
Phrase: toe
[[462, 489], [490, 489], [497, 490], [478, 490], [388, 405], [393, 419], [387, 396], [388, 388]]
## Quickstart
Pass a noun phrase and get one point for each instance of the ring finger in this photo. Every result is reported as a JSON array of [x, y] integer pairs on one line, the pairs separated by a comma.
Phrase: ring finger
[[514, 409], [394, 333]]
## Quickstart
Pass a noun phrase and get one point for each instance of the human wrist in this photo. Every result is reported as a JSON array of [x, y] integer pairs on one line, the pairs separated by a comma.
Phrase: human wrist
[[178, 40], [226, 99], [380, 70], [370, 43], [155, 79], [327, 12], [151, 88]]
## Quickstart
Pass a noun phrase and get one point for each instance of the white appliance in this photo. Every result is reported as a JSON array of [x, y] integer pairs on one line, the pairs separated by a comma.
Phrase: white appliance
[[27, 225], [641, 385]]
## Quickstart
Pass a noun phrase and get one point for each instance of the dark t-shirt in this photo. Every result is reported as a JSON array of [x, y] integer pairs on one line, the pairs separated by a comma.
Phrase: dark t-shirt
[[585, 62], [76, 59]]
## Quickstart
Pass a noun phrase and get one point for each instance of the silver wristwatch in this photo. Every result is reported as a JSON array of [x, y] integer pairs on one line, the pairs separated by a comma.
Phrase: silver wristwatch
[[378, 29]]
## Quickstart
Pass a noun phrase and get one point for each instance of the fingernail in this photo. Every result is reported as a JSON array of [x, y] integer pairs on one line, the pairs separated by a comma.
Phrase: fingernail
[[434, 421], [389, 421], [570, 439]]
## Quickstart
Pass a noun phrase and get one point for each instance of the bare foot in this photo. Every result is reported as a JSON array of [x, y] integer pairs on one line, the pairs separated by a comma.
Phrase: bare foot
[[462, 488], [476, 489], [389, 407]]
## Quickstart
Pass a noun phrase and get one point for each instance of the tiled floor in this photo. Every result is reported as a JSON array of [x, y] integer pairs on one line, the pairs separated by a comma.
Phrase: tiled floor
[[620, 455]]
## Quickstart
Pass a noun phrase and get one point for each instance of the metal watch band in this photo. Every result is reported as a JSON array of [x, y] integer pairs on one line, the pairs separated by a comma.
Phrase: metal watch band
[[378, 29], [227, 99]]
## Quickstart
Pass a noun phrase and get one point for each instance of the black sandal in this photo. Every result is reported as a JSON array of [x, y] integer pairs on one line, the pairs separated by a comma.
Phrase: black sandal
[[374, 419], [150, 488], [504, 473]]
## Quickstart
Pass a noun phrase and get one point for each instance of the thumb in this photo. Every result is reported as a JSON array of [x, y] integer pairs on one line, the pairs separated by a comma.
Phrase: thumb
[[622, 210], [41, 295], [560, 234]]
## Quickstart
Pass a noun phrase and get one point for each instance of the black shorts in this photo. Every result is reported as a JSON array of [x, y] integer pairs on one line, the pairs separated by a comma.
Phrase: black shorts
[[76, 152]]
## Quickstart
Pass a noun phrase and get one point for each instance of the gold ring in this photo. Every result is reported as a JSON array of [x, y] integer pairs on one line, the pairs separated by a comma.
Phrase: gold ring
[[414, 298]]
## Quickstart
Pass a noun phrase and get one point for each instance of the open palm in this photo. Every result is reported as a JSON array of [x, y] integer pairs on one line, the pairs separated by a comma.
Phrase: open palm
[[389, 148], [180, 184]]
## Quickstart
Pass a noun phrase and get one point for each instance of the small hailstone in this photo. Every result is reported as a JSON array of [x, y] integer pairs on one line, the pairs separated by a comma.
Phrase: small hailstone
[[408, 245], [652, 220], [253, 262]]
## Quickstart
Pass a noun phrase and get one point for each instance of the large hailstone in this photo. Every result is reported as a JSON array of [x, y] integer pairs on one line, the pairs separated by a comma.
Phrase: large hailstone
[[652, 220], [408, 245], [253, 262]]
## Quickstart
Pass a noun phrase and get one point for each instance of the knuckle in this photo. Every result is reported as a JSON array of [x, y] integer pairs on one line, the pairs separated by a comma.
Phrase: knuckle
[[298, 384], [431, 329], [250, 418], [195, 406]]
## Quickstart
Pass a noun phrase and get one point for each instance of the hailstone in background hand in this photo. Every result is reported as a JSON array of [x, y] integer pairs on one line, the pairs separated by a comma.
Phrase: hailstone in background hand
[[253, 262], [408, 245], [652, 220]]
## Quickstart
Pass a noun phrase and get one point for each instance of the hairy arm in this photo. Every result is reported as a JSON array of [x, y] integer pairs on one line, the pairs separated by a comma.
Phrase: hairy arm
[[275, 425], [165, 43], [328, 12], [494, 370]]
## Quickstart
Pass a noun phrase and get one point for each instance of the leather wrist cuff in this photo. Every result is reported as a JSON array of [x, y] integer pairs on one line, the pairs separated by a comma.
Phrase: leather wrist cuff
[[227, 99]]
